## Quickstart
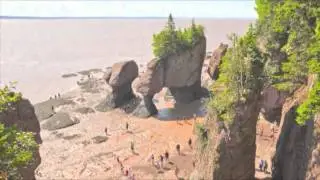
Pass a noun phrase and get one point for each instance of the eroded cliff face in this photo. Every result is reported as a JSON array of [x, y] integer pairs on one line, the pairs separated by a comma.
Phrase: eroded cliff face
[[23, 116], [230, 150], [272, 102], [293, 148], [296, 154]]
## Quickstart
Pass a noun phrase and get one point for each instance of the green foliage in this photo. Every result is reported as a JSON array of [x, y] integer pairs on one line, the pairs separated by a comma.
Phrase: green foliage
[[16, 147], [292, 27], [240, 75], [170, 41], [8, 97], [311, 106]]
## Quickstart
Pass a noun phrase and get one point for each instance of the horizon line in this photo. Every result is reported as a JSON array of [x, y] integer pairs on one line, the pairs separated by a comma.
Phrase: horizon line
[[118, 17]]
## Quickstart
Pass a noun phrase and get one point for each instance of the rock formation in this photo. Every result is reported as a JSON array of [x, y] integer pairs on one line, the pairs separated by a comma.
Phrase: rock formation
[[230, 149], [293, 148], [120, 80], [272, 102], [180, 72], [294, 156], [23, 116], [215, 61]]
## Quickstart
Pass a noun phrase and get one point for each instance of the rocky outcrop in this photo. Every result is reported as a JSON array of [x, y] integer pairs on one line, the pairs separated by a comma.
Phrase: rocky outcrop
[[293, 151], [120, 80], [295, 145], [23, 116], [314, 162], [229, 152], [180, 73], [272, 102], [215, 61]]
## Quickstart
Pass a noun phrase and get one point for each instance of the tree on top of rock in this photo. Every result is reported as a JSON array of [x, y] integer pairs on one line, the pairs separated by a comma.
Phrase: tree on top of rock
[[170, 41]]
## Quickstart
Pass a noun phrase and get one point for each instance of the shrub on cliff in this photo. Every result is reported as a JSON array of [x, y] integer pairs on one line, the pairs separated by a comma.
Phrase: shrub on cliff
[[16, 147], [298, 24], [240, 75], [170, 40]]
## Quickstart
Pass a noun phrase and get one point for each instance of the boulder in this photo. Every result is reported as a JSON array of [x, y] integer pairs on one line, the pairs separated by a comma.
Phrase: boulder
[[122, 75], [107, 74], [272, 102], [146, 108], [215, 61], [151, 81], [180, 72], [58, 121], [23, 116]]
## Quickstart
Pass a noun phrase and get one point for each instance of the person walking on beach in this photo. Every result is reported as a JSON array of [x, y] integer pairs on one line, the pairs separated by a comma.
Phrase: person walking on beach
[[261, 165], [59, 95], [106, 131], [178, 148], [166, 156], [265, 167], [161, 161], [152, 159], [190, 143], [120, 163], [127, 126], [132, 147]]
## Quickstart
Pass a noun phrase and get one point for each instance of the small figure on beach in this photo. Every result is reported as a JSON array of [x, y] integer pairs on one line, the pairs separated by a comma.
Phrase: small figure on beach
[[126, 172], [52, 108], [265, 168], [127, 126], [152, 159], [106, 131], [190, 143], [55, 96], [132, 147], [178, 148], [161, 161], [194, 163], [261, 164], [166, 156], [118, 160], [50, 97], [59, 95]]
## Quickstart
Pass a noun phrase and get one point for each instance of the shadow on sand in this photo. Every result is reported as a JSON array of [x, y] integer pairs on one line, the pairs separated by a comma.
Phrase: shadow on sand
[[182, 111]]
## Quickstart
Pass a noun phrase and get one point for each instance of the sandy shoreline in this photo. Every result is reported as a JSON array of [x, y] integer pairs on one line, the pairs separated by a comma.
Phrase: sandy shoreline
[[81, 150]]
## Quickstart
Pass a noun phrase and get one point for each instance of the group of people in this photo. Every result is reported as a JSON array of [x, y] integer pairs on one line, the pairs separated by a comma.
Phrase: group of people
[[263, 166], [56, 96], [163, 158], [126, 172]]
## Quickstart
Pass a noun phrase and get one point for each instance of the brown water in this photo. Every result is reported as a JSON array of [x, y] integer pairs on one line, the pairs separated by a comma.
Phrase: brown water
[[36, 52]]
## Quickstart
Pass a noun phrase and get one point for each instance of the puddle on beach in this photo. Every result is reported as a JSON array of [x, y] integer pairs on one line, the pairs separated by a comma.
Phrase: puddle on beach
[[172, 111]]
